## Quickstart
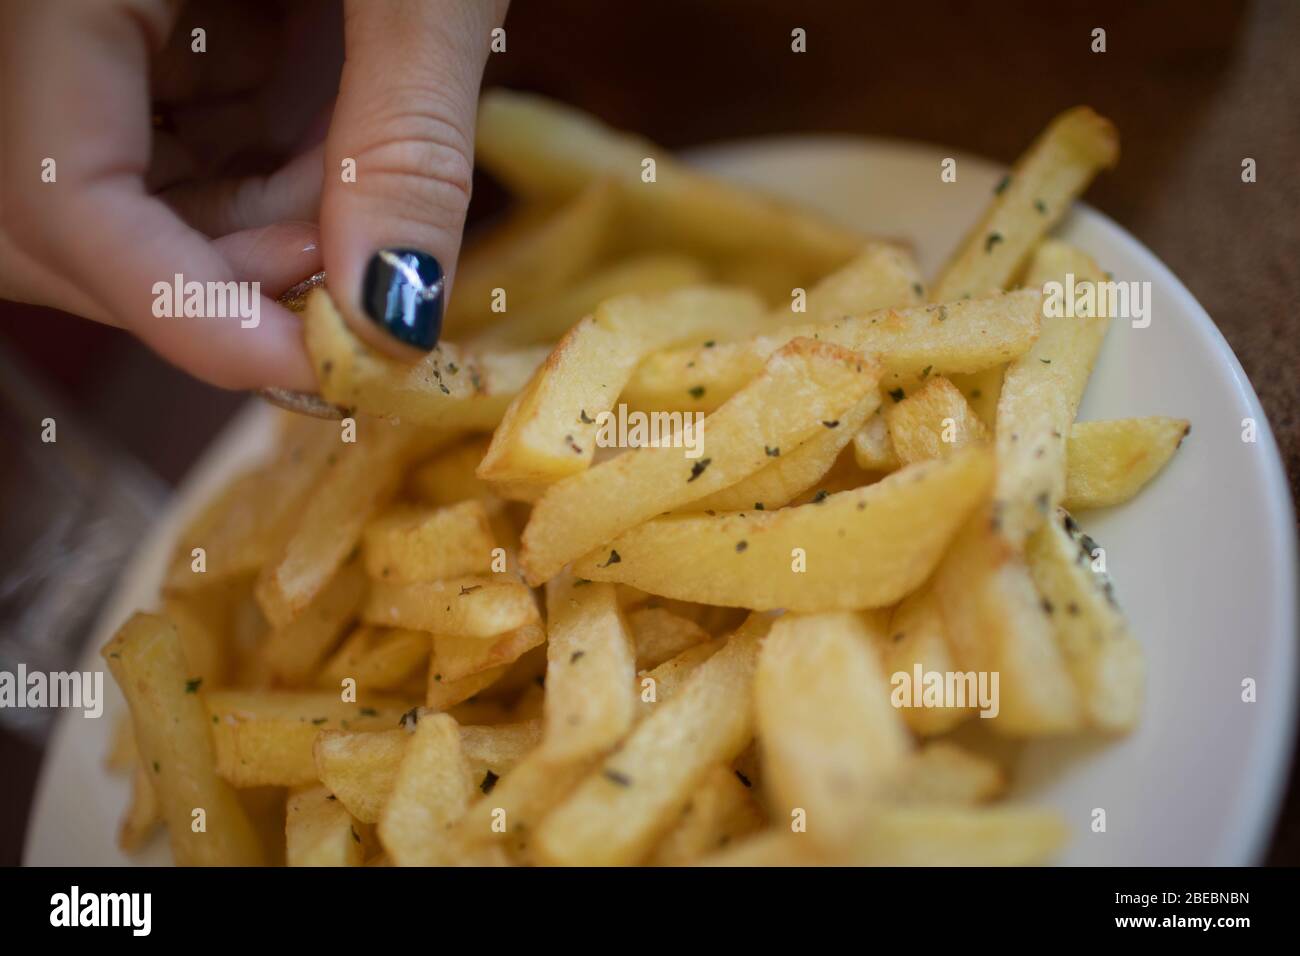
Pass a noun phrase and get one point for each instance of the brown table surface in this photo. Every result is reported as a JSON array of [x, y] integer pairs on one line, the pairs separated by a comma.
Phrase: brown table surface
[[1193, 87]]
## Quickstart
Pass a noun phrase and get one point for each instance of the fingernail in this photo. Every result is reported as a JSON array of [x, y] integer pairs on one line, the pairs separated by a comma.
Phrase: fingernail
[[402, 294]]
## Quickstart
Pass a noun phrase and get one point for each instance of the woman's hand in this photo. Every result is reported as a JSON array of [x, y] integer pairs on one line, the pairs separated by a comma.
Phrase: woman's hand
[[128, 157]]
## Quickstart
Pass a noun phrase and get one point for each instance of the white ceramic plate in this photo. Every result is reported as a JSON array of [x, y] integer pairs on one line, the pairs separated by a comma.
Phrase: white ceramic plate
[[1204, 560]]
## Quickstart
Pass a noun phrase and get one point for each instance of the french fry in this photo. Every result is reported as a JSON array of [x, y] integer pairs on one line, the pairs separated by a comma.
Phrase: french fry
[[959, 836], [232, 527], [618, 812], [459, 656], [360, 479], [943, 773], [420, 544], [265, 738], [873, 450], [448, 478], [964, 336], [748, 768], [377, 658], [360, 767], [659, 635], [241, 528], [856, 549], [981, 738], [1058, 167], [915, 836], [143, 814], [246, 640], [319, 831], [1109, 462], [509, 810], [525, 492], [790, 475], [265, 807], [933, 423], [451, 388], [880, 276], [648, 275], [995, 622], [507, 813], [201, 621], [551, 429], [772, 278], [174, 742], [661, 683], [772, 847], [1040, 396], [915, 637], [1104, 659], [541, 148], [296, 650], [803, 385], [531, 259], [480, 607], [832, 743], [442, 694], [494, 751], [590, 666], [122, 756], [431, 791], [720, 811]]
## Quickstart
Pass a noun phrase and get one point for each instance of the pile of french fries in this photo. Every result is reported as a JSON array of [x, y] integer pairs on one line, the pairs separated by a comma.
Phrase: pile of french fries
[[477, 636]]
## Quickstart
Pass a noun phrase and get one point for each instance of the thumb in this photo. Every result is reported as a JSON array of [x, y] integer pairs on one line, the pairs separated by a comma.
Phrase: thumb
[[405, 119]]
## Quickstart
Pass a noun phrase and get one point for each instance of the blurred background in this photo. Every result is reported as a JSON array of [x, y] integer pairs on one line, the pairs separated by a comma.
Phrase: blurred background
[[1193, 88]]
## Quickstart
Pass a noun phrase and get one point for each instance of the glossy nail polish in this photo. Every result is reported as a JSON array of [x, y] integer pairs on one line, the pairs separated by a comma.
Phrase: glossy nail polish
[[402, 293]]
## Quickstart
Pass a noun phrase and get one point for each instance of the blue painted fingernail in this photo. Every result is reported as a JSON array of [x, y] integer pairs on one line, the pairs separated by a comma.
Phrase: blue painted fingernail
[[402, 293]]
